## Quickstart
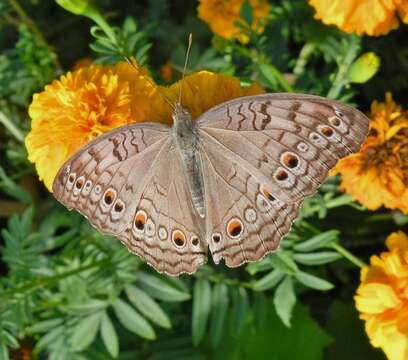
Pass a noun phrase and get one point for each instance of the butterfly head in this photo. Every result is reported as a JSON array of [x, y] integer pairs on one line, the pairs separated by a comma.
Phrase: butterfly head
[[181, 114]]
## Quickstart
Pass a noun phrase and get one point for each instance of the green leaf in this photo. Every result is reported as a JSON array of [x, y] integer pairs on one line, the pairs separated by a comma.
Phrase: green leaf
[[132, 320], [161, 289], [318, 258], [285, 299], [85, 331], [322, 240], [240, 306], [304, 340], [351, 340], [201, 309], [4, 355], [147, 306], [109, 336], [246, 12], [283, 261], [218, 312], [45, 325], [259, 266], [50, 337], [268, 281], [313, 282]]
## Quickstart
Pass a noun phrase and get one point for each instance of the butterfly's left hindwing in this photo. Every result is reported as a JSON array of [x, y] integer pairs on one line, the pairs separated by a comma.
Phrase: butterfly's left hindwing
[[267, 153]]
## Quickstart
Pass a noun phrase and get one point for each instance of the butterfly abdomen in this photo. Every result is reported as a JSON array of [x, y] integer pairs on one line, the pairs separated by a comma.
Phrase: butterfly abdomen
[[186, 139]]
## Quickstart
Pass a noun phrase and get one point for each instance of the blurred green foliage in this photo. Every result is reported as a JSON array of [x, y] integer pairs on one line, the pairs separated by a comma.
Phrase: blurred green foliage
[[68, 292]]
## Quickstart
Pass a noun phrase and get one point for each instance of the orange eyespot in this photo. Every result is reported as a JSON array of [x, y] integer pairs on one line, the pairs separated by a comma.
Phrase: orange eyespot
[[140, 220], [179, 238], [118, 207], [235, 228], [109, 197], [290, 160], [327, 131], [79, 183], [281, 175]]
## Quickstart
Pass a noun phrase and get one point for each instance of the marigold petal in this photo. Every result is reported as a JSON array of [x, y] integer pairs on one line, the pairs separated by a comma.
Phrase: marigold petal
[[371, 17], [397, 240]]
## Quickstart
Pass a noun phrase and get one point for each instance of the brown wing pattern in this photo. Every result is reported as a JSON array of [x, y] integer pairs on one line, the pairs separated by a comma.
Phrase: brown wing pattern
[[284, 144], [166, 231], [129, 183]]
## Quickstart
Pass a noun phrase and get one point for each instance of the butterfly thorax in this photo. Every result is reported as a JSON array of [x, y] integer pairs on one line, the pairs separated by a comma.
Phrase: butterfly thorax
[[186, 139]]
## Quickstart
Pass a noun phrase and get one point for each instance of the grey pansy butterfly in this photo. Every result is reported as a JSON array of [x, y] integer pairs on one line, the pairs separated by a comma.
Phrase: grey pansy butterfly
[[231, 181]]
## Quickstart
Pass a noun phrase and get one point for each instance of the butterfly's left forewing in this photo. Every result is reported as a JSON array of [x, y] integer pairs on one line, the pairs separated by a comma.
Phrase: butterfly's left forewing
[[267, 153]]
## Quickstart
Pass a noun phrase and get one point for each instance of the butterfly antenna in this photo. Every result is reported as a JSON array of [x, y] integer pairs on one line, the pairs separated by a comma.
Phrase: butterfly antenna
[[190, 41], [165, 98]]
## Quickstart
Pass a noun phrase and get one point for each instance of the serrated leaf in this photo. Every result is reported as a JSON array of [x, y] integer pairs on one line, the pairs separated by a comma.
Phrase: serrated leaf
[[268, 281], [161, 289], [313, 282], [132, 320], [218, 312], [109, 336], [147, 306], [318, 241], [201, 309], [285, 300], [85, 331], [318, 258]]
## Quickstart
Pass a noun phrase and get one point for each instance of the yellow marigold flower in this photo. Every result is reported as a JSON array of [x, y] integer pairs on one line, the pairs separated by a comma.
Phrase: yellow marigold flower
[[371, 17], [201, 91], [80, 106], [221, 15], [378, 174], [382, 298]]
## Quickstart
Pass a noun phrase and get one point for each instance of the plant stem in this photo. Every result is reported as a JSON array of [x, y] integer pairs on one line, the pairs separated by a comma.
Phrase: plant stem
[[36, 31], [8, 124], [304, 55], [48, 281], [341, 77], [348, 255]]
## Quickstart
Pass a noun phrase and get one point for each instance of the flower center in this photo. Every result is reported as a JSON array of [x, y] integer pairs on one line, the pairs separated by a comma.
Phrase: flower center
[[392, 153]]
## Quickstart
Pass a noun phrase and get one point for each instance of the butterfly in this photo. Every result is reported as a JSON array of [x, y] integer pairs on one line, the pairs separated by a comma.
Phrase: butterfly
[[230, 182]]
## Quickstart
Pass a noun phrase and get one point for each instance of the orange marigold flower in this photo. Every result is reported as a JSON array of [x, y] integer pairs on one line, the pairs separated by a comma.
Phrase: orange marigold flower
[[371, 17], [80, 106], [221, 15], [378, 174], [217, 88], [166, 71], [84, 62], [382, 298]]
